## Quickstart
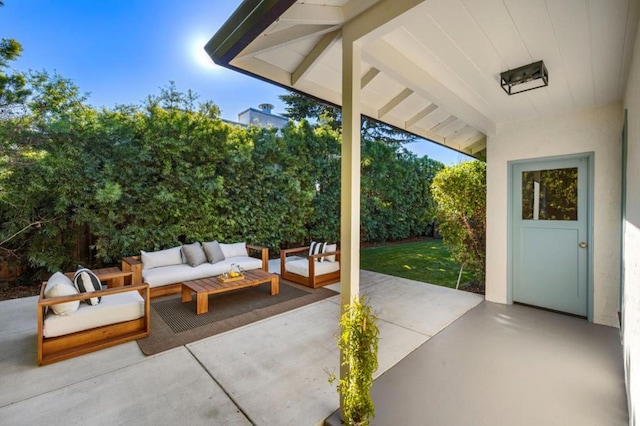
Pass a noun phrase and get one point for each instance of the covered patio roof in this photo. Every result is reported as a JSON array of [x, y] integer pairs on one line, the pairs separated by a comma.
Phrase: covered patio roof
[[432, 68]]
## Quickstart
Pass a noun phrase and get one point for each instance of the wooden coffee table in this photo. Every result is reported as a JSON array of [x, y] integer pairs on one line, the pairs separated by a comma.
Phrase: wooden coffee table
[[206, 286]]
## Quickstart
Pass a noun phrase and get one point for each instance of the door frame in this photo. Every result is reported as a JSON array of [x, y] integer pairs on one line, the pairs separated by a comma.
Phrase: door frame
[[590, 157]]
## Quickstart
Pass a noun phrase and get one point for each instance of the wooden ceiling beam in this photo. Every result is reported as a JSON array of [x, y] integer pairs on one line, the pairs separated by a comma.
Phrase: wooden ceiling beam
[[397, 100], [318, 51], [285, 37], [419, 116], [368, 77]]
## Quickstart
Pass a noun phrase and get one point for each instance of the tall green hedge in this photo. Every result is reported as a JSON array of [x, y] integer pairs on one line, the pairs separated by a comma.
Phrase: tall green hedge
[[168, 171]]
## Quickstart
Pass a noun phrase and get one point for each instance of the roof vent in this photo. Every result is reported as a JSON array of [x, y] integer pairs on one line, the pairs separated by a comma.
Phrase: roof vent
[[266, 108]]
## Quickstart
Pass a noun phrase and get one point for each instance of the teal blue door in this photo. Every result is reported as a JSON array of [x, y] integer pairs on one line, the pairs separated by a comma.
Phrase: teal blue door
[[549, 234]]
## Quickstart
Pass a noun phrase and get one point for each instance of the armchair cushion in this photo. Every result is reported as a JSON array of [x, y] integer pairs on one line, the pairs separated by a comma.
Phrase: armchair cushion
[[330, 249], [60, 285], [114, 308], [301, 267]]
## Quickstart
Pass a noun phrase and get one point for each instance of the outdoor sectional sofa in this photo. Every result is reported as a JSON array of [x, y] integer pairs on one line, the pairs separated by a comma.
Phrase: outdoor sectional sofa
[[165, 270]]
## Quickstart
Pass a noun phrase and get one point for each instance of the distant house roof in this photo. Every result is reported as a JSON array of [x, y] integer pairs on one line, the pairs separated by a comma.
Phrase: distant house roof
[[260, 117]]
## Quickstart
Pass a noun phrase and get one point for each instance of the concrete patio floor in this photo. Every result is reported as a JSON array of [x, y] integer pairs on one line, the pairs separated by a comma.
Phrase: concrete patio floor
[[274, 372], [502, 365]]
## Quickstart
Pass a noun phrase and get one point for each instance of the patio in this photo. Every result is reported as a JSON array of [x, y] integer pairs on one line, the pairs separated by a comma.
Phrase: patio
[[273, 372], [442, 70]]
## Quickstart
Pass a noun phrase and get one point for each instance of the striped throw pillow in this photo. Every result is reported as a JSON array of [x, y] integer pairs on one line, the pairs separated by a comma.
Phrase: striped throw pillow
[[317, 248], [87, 282]]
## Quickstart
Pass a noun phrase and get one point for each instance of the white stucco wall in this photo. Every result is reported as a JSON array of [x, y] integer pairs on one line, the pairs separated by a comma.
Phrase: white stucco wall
[[631, 250], [596, 130]]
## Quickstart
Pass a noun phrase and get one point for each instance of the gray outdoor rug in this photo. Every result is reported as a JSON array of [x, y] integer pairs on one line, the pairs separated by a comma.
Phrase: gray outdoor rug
[[174, 323]]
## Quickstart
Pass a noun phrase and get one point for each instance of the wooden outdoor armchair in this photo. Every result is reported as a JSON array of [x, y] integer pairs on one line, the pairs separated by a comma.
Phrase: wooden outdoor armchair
[[53, 349], [309, 271]]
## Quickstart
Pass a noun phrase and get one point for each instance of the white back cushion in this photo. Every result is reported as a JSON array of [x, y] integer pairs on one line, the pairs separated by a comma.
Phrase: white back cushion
[[155, 259], [234, 250], [330, 249]]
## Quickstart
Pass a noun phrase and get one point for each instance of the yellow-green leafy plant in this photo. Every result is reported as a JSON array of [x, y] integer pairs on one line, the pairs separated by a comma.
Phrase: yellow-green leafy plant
[[358, 341], [460, 193]]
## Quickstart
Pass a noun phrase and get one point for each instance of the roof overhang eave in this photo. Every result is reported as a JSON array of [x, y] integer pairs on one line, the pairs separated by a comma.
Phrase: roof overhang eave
[[248, 21]]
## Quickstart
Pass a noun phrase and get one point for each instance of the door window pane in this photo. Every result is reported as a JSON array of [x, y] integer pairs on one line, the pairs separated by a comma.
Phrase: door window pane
[[550, 194]]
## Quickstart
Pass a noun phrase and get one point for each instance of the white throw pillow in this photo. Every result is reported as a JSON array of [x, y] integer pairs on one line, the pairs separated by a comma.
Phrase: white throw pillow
[[234, 250], [330, 249], [155, 259], [60, 285]]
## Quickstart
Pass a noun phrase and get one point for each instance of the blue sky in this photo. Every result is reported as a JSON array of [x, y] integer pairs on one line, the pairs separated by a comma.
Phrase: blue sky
[[121, 51]]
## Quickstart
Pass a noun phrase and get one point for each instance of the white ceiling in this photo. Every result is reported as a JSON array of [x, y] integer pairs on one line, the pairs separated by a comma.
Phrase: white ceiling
[[432, 67]]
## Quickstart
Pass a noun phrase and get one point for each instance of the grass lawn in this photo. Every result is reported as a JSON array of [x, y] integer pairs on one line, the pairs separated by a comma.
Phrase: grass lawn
[[428, 261]]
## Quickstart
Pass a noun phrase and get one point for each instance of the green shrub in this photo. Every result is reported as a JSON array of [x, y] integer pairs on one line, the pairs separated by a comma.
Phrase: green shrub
[[358, 343], [460, 193]]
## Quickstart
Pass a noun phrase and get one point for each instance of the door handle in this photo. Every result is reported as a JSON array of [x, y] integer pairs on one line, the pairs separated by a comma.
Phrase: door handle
[[583, 244]]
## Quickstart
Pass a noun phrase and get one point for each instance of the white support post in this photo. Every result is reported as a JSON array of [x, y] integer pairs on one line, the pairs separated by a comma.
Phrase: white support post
[[350, 174], [350, 179]]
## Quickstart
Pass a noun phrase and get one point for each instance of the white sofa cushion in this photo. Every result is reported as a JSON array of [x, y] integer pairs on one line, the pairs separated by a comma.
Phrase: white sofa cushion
[[60, 285], [245, 262], [234, 250], [164, 275], [301, 267], [112, 309], [157, 259], [207, 270]]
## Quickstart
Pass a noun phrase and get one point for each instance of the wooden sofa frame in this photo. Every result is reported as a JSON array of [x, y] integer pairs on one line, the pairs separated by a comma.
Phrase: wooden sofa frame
[[134, 264], [54, 349], [312, 281]]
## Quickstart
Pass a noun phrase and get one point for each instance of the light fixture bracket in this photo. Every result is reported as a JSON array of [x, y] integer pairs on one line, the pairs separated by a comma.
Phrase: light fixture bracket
[[525, 78]]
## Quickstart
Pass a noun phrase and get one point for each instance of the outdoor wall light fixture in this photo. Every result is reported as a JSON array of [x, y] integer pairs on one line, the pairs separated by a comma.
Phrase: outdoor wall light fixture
[[525, 78]]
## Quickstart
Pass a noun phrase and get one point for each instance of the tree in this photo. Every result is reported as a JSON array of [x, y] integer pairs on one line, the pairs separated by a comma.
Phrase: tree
[[460, 195], [396, 194], [40, 183], [13, 89], [301, 107]]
